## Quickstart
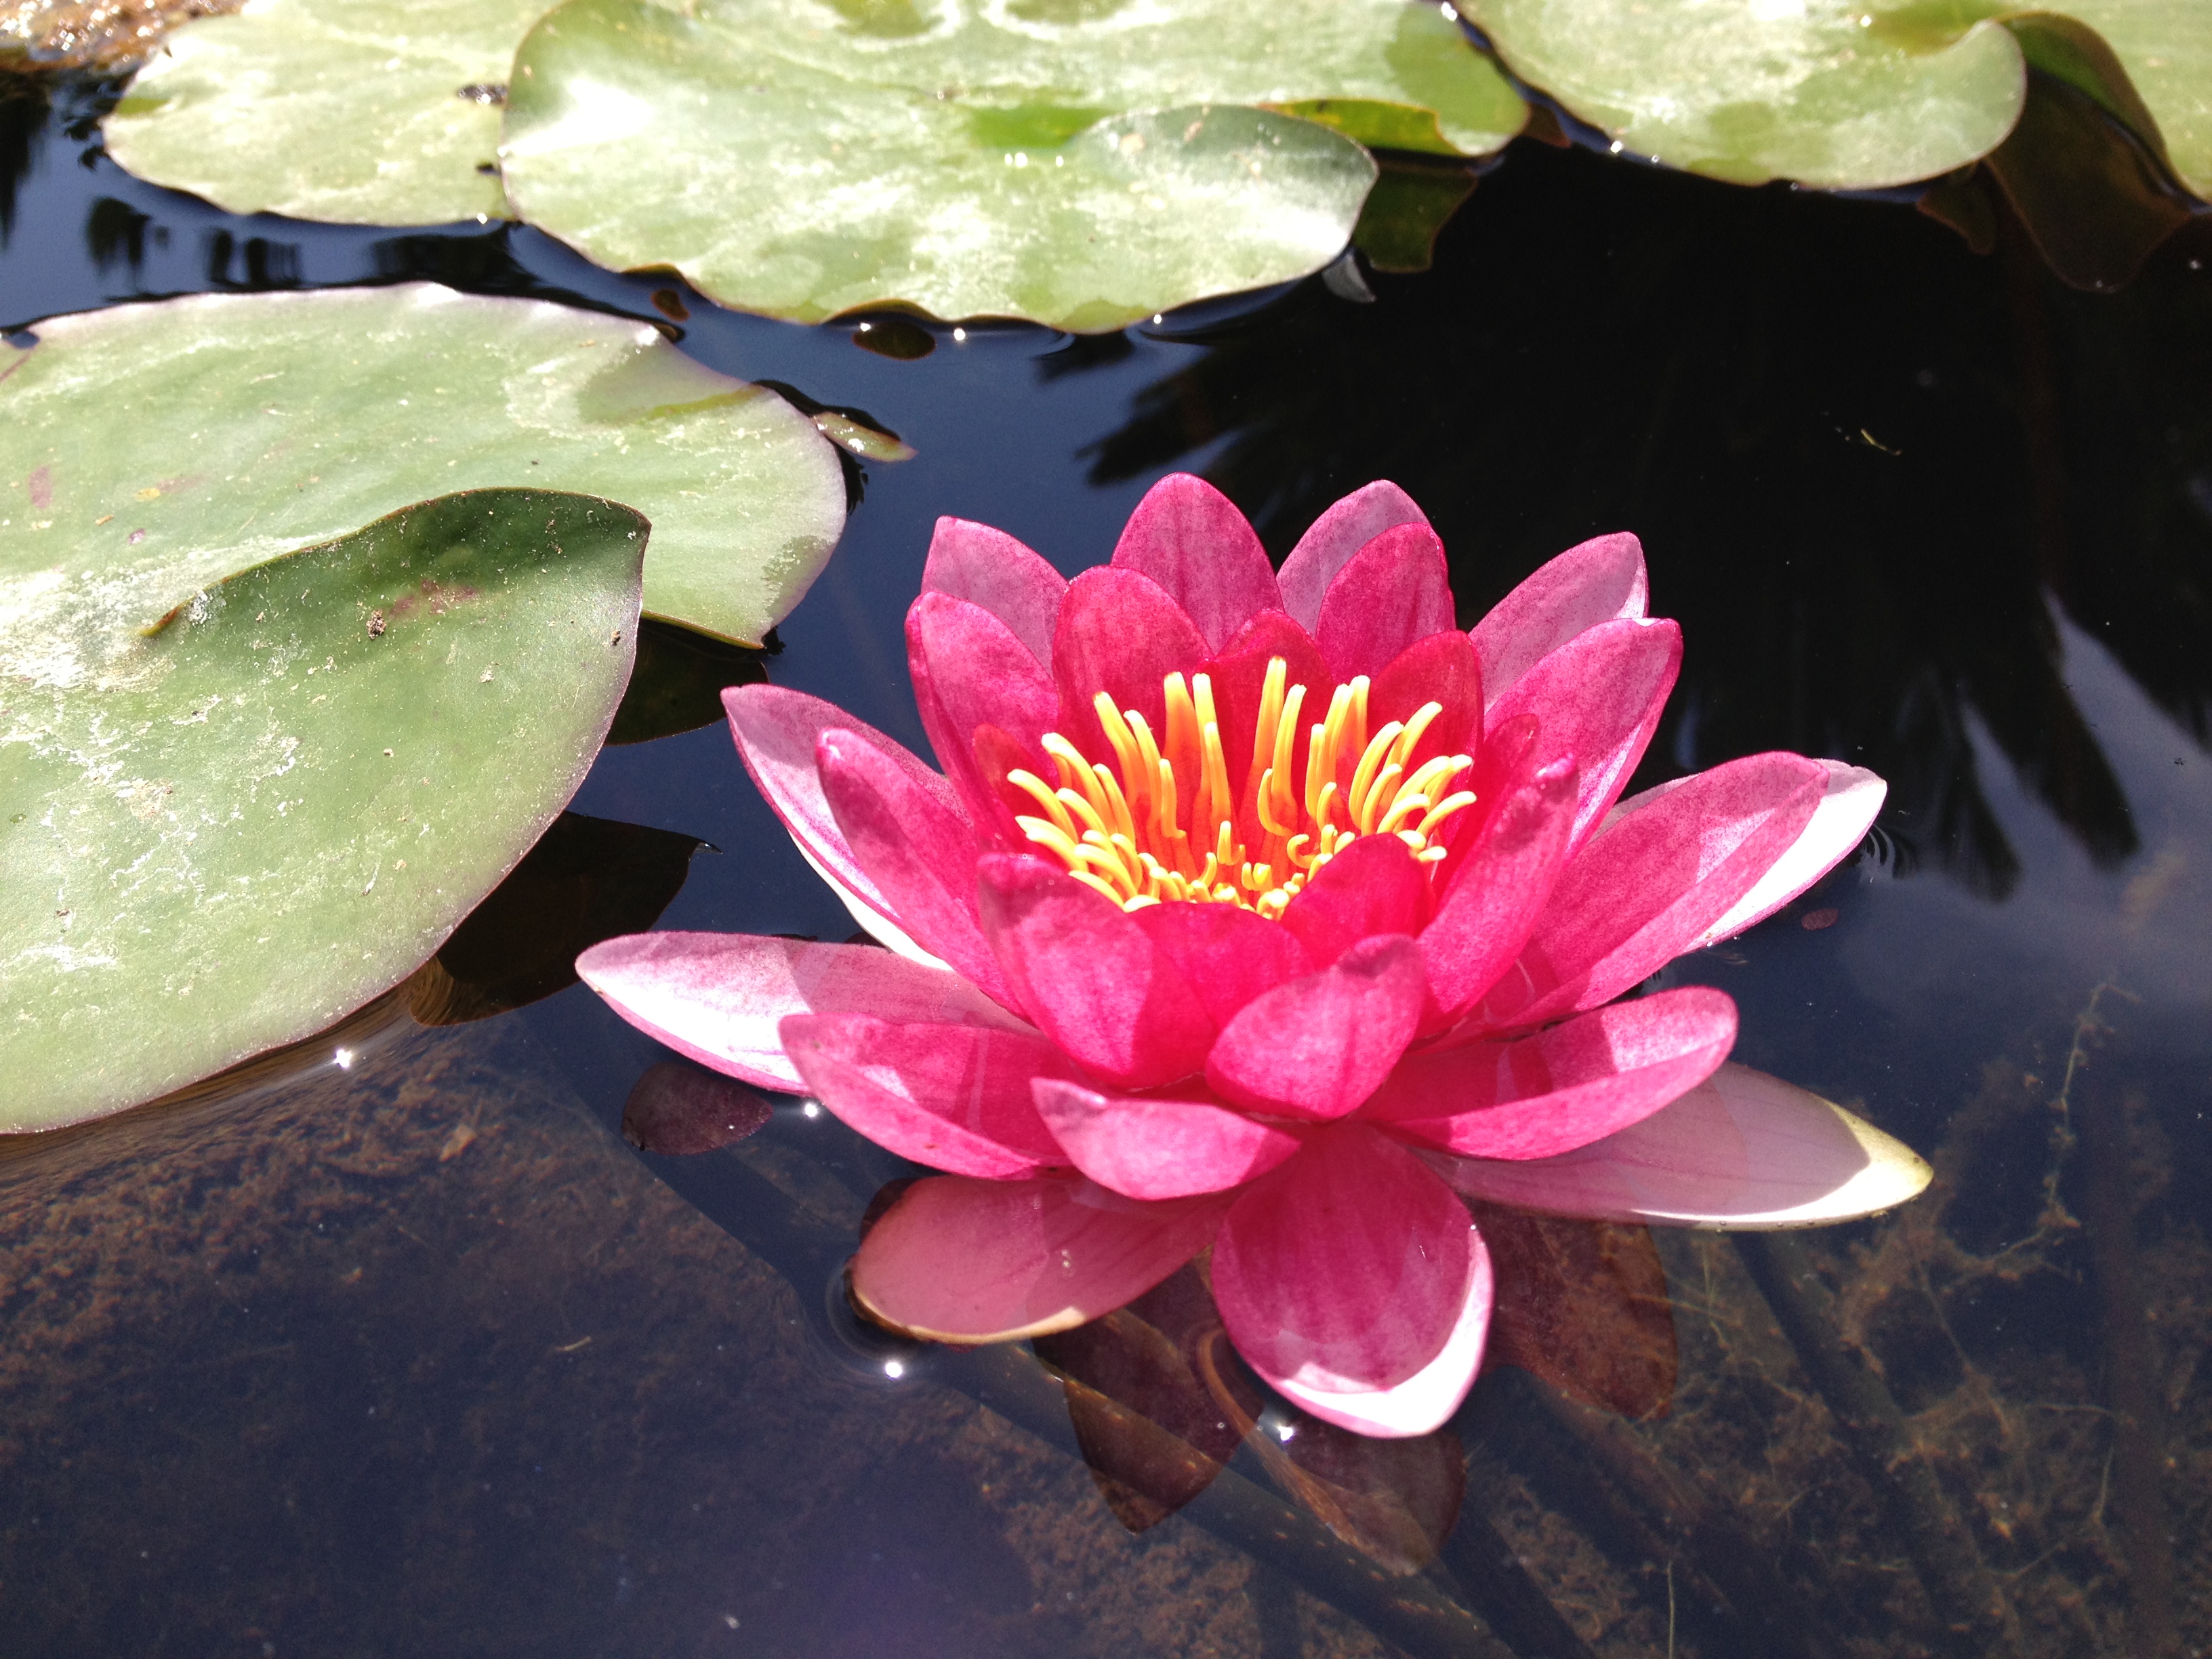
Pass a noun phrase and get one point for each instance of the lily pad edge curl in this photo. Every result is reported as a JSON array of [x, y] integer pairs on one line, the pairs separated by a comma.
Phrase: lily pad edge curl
[[277, 801]]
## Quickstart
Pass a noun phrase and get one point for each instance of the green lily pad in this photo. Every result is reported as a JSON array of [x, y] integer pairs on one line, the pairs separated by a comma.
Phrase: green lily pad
[[1815, 90], [167, 446], [225, 832], [2165, 47], [1854, 93], [372, 111], [1082, 163]]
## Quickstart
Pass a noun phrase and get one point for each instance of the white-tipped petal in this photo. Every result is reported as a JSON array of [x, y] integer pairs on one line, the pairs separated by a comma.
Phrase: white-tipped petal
[[1742, 1150], [1839, 823], [879, 927]]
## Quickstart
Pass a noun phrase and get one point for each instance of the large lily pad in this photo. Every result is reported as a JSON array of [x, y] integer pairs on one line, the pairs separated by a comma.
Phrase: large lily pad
[[1078, 162], [167, 446], [223, 835], [371, 111], [1800, 89], [1848, 94]]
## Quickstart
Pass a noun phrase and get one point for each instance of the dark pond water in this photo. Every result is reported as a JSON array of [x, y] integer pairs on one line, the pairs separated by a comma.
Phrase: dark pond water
[[418, 1356]]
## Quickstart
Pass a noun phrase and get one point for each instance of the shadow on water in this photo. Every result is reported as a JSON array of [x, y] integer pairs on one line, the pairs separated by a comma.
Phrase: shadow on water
[[22, 126], [1865, 462]]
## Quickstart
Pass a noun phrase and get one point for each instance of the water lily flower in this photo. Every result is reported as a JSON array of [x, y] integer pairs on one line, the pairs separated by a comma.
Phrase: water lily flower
[[1260, 911]]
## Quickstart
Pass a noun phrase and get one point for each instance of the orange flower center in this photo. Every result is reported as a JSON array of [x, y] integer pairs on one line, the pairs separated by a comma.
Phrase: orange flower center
[[1161, 823]]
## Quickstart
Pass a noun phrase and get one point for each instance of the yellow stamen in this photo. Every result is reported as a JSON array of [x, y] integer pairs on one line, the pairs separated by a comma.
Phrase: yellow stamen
[[1156, 820]]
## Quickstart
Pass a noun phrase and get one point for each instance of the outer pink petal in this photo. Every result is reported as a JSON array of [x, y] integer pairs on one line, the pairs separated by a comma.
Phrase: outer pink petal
[[1429, 1397], [1849, 802], [776, 730], [969, 670], [1119, 632], [1090, 976], [1396, 590], [1317, 1047], [1646, 888], [1373, 886], [1565, 1087], [1346, 1271], [1189, 537], [920, 856], [989, 568], [956, 1097], [719, 997], [1151, 1146], [965, 1260], [1597, 581], [1226, 954], [1598, 698], [1500, 886], [1742, 1150], [1332, 540]]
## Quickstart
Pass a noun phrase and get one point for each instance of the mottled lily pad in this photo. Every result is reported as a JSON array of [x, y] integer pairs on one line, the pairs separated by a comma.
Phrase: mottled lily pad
[[167, 446], [1078, 162], [226, 832], [374, 111], [1846, 94]]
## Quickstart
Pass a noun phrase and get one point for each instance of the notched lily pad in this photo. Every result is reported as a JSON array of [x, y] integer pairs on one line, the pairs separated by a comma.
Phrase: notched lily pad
[[226, 831], [806, 160], [167, 446]]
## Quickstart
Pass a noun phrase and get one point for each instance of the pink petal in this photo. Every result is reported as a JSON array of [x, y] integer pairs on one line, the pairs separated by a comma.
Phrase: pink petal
[[1427, 1399], [1319, 1046], [1742, 1150], [1119, 632], [718, 998], [1189, 537], [965, 1260], [1499, 888], [1396, 590], [1149, 1146], [1373, 886], [776, 731], [989, 568], [1565, 1087], [1850, 801], [1239, 675], [1090, 975], [1226, 954], [1346, 1271], [1650, 885], [969, 670], [1598, 698], [953, 1097], [1332, 540], [1599, 581], [1441, 668], [920, 858]]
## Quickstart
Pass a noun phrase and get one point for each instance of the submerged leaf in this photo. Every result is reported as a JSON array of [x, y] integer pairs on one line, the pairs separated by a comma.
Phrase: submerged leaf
[[1395, 1501], [164, 447], [587, 879], [1084, 168], [226, 831], [1584, 1305], [678, 1109], [1149, 1430]]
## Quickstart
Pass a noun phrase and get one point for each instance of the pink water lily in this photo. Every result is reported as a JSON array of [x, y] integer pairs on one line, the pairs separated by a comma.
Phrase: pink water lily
[[1260, 911]]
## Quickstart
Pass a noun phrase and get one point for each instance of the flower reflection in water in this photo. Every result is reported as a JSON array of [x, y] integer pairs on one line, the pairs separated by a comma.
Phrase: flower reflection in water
[[1269, 915]]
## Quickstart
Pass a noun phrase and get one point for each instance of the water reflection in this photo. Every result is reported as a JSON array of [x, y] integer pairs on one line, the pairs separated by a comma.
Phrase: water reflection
[[22, 127], [1866, 465]]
